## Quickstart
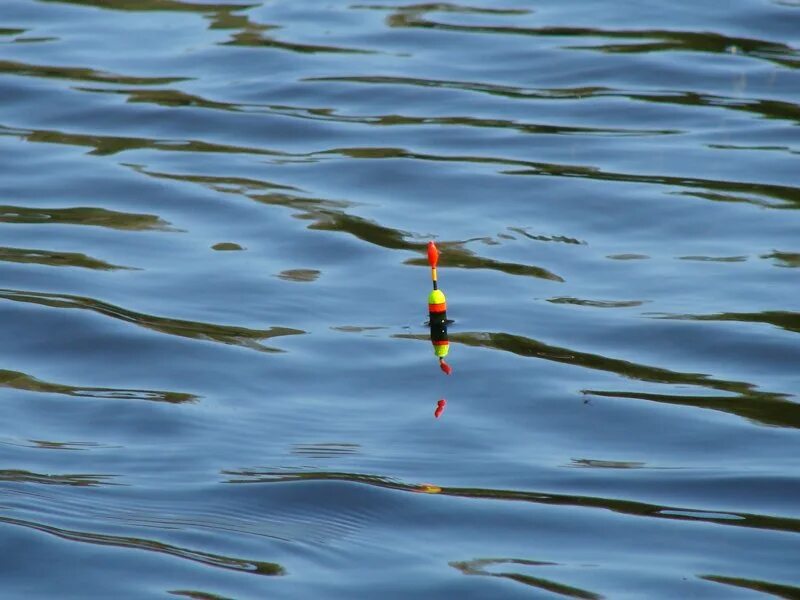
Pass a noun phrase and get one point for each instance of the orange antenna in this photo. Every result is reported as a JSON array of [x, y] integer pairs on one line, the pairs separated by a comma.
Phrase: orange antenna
[[433, 260], [433, 255]]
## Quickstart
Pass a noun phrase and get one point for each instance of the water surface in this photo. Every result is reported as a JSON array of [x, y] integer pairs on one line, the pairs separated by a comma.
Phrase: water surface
[[215, 370]]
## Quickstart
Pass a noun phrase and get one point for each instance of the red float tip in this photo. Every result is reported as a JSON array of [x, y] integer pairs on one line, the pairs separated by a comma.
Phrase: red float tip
[[433, 254], [445, 367]]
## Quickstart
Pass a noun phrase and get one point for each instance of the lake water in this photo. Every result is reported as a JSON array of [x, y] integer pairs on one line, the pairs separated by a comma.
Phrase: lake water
[[215, 371]]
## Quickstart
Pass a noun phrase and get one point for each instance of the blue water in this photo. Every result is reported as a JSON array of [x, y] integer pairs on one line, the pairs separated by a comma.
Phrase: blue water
[[215, 369]]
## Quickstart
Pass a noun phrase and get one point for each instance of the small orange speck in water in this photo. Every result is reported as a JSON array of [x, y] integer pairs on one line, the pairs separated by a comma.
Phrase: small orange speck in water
[[428, 488]]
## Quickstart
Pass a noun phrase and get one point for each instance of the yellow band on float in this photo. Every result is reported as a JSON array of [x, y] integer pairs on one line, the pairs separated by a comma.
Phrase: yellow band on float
[[436, 297]]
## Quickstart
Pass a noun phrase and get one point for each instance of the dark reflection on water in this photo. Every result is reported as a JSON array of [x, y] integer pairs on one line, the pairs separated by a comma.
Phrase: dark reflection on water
[[764, 195], [721, 259], [160, 5], [225, 334], [773, 589], [327, 215], [514, 92], [253, 36], [771, 109], [22, 381], [734, 191], [480, 566], [177, 98], [98, 217], [524, 346], [104, 145], [168, 98], [212, 560], [768, 408], [547, 238], [758, 408], [627, 507], [50, 479], [299, 275], [328, 450], [56, 259], [665, 40], [605, 464], [789, 321], [597, 303], [222, 17], [80, 74], [785, 259], [52, 445], [197, 595], [766, 108]]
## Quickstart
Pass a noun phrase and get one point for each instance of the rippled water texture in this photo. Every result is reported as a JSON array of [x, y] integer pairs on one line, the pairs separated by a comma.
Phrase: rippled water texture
[[215, 369]]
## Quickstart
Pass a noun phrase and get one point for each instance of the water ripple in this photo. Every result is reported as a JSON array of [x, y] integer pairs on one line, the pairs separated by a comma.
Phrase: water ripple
[[19, 476], [83, 215], [57, 259], [480, 567], [765, 587], [626, 507], [763, 107], [105, 145], [22, 381], [786, 320], [413, 16], [768, 408], [332, 141], [80, 74], [225, 334], [178, 99], [213, 560], [327, 215]]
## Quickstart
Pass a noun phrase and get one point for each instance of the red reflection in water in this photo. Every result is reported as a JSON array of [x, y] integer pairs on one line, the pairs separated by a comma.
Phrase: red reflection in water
[[440, 408]]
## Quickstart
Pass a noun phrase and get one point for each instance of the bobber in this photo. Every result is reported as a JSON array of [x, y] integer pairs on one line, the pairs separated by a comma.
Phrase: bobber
[[437, 312]]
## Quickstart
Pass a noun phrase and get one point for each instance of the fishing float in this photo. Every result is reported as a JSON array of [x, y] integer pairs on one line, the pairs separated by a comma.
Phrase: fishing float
[[437, 311]]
